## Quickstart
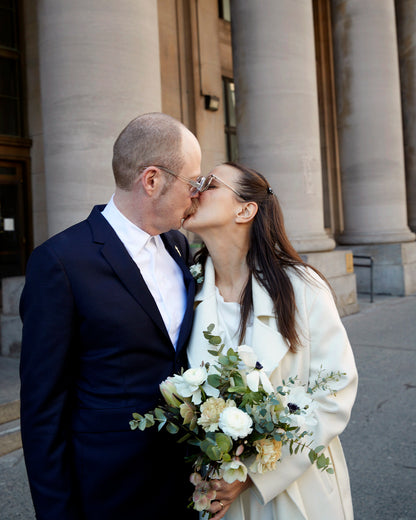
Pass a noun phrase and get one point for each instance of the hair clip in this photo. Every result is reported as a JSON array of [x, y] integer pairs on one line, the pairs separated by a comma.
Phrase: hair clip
[[270, 191]]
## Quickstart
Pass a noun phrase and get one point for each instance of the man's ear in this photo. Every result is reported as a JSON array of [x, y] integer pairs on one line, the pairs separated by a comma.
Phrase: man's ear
[[246, 212], [148, 180]]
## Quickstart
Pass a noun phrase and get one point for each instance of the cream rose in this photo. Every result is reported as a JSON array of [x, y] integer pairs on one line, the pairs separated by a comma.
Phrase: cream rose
[[210, 413], [269, 452]]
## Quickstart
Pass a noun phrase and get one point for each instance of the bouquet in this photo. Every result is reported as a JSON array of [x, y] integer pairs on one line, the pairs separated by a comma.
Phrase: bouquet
[[229, 411]]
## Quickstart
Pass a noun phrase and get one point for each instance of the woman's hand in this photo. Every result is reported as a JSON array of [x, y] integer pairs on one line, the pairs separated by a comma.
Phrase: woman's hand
[[226, 494]]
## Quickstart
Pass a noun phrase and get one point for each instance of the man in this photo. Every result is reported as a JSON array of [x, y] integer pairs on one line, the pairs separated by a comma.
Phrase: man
[[107, 311]]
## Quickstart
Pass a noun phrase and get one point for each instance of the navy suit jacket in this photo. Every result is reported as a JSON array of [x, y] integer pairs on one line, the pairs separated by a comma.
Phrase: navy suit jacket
[[94, 350]]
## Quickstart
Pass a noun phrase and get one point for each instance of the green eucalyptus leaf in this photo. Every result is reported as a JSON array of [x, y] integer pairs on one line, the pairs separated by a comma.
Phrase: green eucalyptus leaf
[[224, 442], [172, 428], [214, 380], [223, 360], [161, 425], [206, 444], [214, 453], [238, 379], [160, 414]]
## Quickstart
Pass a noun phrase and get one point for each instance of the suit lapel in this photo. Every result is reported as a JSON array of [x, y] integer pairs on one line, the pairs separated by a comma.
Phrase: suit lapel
[[123, 265], [174, 249]]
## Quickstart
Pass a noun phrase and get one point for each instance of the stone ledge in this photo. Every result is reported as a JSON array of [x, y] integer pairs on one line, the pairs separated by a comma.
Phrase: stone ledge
[[11, 289], [394, 268], [337, 267], [10, 335]]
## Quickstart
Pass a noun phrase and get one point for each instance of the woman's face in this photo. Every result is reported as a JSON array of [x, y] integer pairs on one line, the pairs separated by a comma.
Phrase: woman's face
[[217, 205]]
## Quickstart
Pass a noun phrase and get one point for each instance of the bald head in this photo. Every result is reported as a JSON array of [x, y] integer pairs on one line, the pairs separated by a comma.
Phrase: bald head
[[150, 139]]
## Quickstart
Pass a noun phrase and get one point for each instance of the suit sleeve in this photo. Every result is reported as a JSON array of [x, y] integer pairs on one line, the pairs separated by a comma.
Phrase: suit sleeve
[[327, 347], [46, 371]]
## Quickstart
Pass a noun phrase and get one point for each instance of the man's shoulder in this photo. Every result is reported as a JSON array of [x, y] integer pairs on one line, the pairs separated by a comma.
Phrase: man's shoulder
[[71, 236]]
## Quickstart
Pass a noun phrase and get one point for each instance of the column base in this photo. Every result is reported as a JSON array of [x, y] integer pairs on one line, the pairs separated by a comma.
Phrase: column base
[[386, 237], [313, 243], [394, 268], [337, 267]]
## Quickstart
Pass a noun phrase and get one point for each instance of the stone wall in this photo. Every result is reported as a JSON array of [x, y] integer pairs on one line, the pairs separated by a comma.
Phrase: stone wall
[[10, 323]]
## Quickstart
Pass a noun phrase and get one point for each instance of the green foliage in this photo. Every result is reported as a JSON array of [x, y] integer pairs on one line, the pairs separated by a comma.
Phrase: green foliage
[[322, 382]]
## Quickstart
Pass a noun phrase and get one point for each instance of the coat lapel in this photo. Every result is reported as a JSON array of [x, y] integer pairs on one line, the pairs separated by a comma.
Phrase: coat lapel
[[123, 265], [269, 345], [174, 249]]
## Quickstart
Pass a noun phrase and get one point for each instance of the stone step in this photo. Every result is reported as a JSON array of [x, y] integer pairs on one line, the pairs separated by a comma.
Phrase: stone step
[[10, 438], [9, 411]]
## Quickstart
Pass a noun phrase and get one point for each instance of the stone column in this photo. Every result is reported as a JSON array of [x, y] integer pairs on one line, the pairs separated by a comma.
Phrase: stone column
[[406, 35], [369, 122], [371, 143], [278, 125], [99, 68], [277, 109]]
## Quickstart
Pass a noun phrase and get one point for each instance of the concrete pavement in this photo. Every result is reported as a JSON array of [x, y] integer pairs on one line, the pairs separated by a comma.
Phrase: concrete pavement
[[379, 442]]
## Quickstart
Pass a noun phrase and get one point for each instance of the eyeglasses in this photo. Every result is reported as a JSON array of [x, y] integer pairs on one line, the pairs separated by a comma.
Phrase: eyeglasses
[[205, 183], [194, 186]]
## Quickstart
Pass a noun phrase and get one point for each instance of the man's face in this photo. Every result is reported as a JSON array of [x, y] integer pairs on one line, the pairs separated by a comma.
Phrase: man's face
[[178, 201]]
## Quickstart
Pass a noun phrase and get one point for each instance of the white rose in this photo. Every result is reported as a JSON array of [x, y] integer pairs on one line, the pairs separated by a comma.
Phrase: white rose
[[195, 376], [188, 385], [235, 423]]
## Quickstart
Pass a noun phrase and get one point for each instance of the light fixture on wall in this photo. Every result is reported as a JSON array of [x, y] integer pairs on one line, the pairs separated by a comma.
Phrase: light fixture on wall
[[212, 103]]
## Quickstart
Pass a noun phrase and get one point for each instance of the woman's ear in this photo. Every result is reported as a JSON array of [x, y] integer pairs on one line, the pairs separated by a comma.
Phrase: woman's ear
[[246, 212]]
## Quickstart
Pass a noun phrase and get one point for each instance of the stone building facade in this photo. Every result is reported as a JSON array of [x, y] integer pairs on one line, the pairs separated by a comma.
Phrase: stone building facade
[[319, 95]]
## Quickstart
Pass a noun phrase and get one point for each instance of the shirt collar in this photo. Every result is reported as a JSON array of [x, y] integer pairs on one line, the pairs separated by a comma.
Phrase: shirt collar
[[133, 237]]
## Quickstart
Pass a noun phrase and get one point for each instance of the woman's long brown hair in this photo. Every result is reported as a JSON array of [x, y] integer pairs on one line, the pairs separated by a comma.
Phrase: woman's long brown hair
[[269, 257]]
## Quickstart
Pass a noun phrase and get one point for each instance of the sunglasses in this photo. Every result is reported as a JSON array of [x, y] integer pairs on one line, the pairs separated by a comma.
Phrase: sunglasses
[[194, 186], [200, 185], [205, 183]]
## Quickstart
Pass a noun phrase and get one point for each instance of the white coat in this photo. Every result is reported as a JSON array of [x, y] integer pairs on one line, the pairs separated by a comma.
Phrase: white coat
[[295, 490]]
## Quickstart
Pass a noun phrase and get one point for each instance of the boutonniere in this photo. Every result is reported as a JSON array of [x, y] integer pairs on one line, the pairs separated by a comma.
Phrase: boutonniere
[[196, 272]]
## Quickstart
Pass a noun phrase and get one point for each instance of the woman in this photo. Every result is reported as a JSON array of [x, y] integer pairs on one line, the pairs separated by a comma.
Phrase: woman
[[258, 291]]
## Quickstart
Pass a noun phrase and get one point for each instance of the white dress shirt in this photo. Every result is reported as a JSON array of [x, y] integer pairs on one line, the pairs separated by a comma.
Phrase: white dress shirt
[[161, 273]]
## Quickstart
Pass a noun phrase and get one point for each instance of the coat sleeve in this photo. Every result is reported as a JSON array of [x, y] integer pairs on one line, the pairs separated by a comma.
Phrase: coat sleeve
[[46, 371], [325, 345]]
